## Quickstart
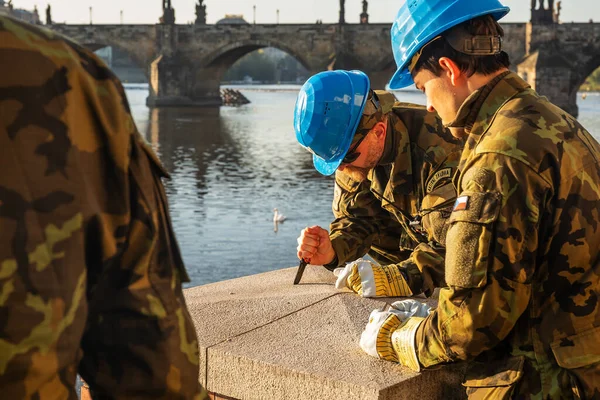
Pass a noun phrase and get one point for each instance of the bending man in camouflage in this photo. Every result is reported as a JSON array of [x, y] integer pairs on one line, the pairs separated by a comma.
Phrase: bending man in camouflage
[[393, 186], [523, 246], [90, 271]]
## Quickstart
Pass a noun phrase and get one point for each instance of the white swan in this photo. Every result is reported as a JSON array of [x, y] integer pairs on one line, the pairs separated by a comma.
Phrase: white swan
[[278, 217]]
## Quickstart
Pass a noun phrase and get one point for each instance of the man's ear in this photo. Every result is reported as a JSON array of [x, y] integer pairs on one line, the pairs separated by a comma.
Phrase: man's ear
[[380, 129], [451, 70]]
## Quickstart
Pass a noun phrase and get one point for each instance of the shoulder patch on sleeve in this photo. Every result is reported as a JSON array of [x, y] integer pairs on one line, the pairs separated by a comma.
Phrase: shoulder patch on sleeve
[[441, 174], [461, 203]]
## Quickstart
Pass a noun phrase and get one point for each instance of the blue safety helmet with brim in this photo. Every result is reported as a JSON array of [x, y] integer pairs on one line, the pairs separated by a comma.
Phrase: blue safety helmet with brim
[[420, 21], [328, 110]]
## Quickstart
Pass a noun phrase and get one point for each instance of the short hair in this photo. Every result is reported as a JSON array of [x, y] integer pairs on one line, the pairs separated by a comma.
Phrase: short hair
[[468, 64]]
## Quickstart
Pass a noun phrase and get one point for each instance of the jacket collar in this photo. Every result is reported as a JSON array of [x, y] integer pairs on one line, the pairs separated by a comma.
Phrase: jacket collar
[[478, 111], [393, 174]]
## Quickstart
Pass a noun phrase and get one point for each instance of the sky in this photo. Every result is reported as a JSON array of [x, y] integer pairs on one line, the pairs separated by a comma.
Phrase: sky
[[290, 11]]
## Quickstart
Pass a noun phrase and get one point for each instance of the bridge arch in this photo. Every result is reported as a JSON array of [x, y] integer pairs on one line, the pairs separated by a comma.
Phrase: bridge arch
[[140, 59], [583, 61], [209, 69], [588, 69], [223, 58]]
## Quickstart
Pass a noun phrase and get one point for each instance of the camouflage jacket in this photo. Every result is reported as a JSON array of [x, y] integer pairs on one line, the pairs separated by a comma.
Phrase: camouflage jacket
[[90, 271], [522, 251], [392, 212]]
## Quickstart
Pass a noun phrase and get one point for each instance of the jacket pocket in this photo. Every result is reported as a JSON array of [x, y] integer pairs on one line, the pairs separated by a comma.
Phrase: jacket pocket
[[469, 236], [580, 356], [493, 380]]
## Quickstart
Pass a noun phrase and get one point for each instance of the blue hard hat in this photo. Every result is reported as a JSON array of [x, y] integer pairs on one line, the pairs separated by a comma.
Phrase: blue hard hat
[[328, 110], [420, 21]]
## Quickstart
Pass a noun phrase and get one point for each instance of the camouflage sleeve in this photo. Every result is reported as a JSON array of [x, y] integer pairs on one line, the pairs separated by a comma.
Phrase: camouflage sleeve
[[424, 269], [490, 259], [361, 226], [90, 271]]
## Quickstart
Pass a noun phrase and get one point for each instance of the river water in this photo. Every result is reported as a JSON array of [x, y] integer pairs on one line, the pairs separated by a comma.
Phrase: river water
[[230, 167]]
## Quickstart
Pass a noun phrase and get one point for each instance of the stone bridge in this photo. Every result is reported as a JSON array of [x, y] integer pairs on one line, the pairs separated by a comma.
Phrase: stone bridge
[[185, 63]]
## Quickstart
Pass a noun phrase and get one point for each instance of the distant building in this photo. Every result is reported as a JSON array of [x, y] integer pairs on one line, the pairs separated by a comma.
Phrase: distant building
[[232, 19], [3, 8], [32, 17]]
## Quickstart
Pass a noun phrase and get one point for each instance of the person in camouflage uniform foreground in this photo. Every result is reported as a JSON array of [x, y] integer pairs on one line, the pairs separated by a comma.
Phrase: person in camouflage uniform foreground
[[90, 270], [523, 246], [391, 203]]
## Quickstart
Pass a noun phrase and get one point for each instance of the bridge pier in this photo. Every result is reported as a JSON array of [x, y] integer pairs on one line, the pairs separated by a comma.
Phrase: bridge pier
[[551, 75], [174, 83], [554, 69]]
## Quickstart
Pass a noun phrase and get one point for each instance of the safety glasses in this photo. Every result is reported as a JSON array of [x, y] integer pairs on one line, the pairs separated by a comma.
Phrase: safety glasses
[[352, 154]]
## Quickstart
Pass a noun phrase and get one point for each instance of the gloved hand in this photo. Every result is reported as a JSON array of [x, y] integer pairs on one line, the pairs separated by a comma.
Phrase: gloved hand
[[372, 280], [389, 335]]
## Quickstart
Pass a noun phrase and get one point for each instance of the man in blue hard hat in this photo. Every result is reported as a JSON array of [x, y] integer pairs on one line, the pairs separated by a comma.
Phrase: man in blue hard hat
[[523, 246], [393, 163]]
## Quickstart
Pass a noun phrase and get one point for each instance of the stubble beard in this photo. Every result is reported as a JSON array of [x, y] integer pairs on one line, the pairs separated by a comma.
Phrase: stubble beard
[[359, 174]]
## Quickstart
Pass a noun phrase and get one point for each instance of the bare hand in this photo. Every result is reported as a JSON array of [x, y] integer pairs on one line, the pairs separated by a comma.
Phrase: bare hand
[[314, 246]]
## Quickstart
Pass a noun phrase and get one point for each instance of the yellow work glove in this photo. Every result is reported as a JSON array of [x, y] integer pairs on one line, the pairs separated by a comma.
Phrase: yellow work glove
[[390, 334], [372, 280]]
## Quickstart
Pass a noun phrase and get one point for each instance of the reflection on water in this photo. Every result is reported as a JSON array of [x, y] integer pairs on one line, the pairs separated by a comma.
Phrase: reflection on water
[[231, 167]]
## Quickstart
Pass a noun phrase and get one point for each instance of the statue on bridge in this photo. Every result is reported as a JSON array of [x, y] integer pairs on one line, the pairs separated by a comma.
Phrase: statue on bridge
[[200, 13], [168, 13], [48, 15], [543, 15], [36, 16], [364, 17], [542, 7], [342, 12]]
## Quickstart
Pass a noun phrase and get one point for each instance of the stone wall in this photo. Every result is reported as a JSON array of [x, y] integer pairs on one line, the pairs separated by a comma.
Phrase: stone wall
[[261, 337], [514, 42]]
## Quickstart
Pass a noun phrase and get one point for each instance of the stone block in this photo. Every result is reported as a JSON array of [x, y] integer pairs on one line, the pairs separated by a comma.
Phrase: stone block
[[224, 310], [261, 337]]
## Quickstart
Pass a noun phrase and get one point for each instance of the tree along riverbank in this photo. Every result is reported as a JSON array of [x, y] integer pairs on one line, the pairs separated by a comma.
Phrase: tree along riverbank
[[592, 83]]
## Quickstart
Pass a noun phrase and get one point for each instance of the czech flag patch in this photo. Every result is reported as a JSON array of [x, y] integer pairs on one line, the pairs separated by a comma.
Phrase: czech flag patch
[[461, 203]]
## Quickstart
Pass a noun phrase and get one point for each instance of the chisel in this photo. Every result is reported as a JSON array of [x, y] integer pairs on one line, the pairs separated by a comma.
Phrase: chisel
[[301, 268]]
